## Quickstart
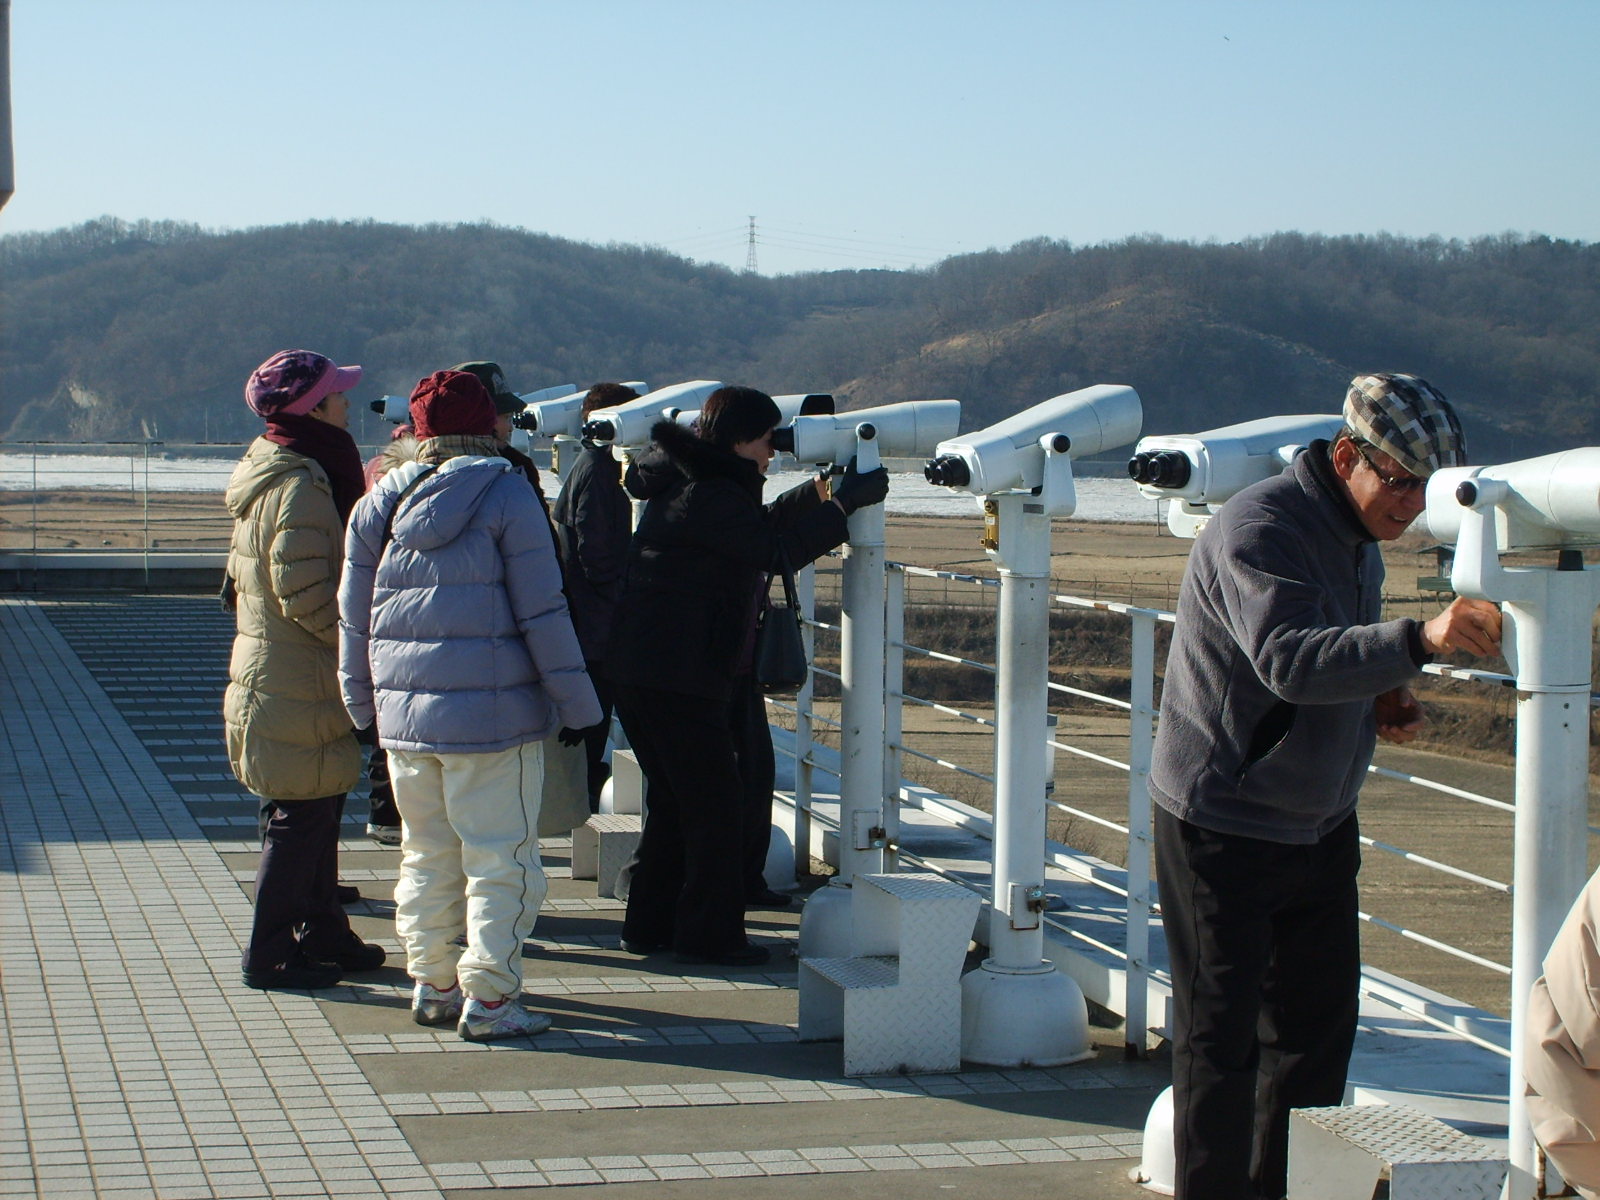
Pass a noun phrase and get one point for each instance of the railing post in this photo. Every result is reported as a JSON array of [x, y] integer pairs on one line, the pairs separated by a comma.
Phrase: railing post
[[1141, 739], [147, 515], [894, 703]]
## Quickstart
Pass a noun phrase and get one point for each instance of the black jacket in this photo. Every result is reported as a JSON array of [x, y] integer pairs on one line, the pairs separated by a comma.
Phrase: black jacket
[[593, 519], [699, 559]]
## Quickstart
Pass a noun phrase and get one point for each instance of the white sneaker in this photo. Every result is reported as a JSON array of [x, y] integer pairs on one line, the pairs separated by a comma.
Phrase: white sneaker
[[431, 1006], [480, 1023]]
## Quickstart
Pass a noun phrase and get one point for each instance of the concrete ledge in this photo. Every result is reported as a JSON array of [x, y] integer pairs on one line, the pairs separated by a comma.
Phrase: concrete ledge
[[112, 570]]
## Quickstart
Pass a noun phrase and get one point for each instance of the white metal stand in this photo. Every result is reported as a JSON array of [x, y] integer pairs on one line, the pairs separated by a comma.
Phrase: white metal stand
[[1017, 1009], [1548, 614], [825, 924]]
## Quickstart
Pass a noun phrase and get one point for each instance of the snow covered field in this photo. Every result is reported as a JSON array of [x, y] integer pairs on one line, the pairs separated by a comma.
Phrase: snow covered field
[[909, 493]]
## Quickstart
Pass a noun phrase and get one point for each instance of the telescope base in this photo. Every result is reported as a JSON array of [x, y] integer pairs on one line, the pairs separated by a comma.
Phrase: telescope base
[[1022, 1017], [825, 922]]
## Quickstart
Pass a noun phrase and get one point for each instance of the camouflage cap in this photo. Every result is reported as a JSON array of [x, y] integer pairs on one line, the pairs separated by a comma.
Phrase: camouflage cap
[[1408, 419], [494, 380]]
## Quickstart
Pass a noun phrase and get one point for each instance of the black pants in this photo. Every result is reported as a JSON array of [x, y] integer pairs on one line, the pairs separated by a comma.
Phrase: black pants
[[381, 810], [1265, 952], [752, 747], [296, 878], [594, 744], [687, 890]]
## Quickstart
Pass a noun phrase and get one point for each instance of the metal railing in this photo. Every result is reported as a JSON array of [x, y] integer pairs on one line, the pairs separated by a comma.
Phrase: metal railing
[[943, 773]]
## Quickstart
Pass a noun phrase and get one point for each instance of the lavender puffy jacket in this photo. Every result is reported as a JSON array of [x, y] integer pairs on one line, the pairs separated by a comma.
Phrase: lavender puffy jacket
[[458, 641]]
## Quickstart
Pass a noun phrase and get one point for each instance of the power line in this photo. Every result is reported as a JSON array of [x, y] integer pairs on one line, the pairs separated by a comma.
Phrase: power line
[[828, 237]]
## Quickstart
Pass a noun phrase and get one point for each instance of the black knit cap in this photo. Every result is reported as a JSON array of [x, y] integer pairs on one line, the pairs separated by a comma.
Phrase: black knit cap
[[737, 414]]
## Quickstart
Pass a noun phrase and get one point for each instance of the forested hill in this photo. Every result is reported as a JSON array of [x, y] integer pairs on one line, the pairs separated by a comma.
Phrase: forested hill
[[114, 330]]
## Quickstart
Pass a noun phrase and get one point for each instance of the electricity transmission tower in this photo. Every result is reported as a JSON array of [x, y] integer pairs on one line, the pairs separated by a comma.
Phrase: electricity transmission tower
[[750, 252]]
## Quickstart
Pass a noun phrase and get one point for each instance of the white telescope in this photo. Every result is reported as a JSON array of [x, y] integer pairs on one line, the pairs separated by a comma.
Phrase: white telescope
[[1198, 471], [562, 415], [1011, 453], [904, 430], [629, 424], [1539, 503]]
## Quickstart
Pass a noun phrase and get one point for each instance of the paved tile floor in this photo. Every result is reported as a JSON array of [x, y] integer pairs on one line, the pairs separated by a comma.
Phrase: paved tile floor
[[134, 1064]]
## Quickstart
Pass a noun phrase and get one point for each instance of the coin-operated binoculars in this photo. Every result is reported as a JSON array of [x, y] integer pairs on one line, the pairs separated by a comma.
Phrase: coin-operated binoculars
[[1548, 506], [790, 406], [907, 430], [398, 408], [559, 415], [626, 427], [1196, 472], [1017, 1009], [559, 418]]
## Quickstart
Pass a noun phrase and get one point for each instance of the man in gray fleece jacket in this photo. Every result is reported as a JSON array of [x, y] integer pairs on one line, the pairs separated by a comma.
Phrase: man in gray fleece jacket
[[1280, 680]]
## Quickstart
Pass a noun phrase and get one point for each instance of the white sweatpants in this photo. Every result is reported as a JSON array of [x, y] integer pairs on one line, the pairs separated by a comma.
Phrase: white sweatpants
[[469, 862]]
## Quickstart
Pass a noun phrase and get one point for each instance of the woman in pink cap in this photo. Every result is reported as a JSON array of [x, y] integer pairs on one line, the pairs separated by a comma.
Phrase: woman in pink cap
[[289, 738]]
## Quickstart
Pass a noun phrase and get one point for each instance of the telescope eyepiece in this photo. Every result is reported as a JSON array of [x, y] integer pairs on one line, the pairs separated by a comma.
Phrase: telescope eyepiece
[[600, 429], [525, 420], [948, 470], [783, 439], [1160, 468]]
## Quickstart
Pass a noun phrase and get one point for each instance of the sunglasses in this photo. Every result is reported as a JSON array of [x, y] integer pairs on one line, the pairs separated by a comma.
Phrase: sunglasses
[[1399, 485]]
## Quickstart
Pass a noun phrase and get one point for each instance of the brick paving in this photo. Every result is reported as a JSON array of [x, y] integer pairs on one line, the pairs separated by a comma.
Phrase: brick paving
[[134, 1064]]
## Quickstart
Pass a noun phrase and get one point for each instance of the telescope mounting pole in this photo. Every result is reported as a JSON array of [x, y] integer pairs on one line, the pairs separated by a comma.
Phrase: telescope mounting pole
[[825, 920], [1017, 1009], [1548, 615]]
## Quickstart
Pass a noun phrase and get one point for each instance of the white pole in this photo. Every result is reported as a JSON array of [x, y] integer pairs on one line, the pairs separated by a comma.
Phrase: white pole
[[861, 834], [894, 676], [1547, 636], [806, 588], [1017, 1009], [825, 920], [1016, 927], [1141, 740]]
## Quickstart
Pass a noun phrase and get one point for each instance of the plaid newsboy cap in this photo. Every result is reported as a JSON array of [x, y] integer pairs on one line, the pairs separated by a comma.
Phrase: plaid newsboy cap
[[1408, 419]]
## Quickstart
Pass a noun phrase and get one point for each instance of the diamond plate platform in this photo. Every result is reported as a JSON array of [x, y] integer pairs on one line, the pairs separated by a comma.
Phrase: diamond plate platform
[[1339, 1153], [895, 1001]]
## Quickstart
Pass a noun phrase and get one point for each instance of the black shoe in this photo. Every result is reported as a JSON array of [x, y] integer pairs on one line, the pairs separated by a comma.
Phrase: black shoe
[[351, 954], [633, 946], [300, 973], [749, 955], [348, 893], [767, 898]]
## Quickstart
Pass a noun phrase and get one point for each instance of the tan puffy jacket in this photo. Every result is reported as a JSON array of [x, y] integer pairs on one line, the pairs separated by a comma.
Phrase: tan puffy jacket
[[1561, 1047], [289, 736]]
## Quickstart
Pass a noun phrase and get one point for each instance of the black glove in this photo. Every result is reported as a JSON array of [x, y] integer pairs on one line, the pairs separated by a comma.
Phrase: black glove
[[856, 489], [574, 737]]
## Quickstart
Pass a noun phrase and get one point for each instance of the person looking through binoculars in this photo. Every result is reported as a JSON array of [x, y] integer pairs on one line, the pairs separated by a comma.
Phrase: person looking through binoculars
[[680, 657], [1280, 680]]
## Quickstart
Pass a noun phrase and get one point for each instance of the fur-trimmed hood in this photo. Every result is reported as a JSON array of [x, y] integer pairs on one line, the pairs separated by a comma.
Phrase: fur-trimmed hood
[[677, 453]]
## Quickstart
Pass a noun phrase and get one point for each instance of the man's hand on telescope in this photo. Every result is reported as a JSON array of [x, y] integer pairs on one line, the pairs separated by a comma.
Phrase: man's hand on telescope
[[1471, 626], [858, 489], [1399, 715]]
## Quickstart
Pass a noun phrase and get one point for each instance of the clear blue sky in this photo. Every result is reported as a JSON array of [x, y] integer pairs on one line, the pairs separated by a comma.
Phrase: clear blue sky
[[861, 133]]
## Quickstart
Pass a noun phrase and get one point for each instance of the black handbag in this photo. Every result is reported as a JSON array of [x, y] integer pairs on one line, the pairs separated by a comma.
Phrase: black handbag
[[780, 656]]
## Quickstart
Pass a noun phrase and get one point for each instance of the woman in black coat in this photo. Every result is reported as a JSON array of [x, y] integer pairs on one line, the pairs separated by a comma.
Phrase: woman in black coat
[[680, 657]]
